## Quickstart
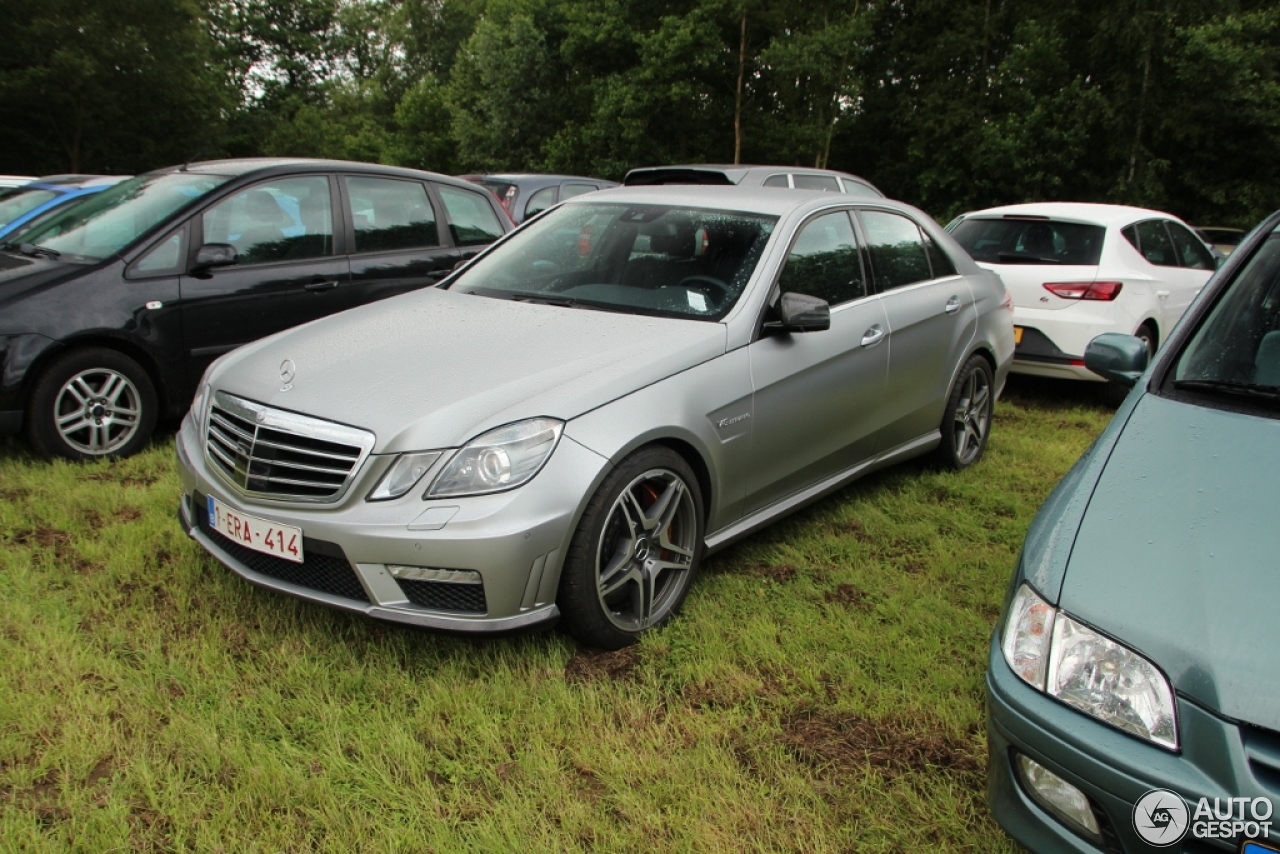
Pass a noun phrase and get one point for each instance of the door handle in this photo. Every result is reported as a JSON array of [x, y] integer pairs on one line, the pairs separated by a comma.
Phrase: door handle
[[1162, 294], [320, 286], [953, 305], [872, 336]]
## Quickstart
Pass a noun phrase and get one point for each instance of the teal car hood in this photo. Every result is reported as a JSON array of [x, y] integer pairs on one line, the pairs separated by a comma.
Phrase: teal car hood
[[1178, 553]]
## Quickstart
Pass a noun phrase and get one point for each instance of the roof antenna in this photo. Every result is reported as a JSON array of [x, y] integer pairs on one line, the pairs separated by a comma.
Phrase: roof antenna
[[196, 156]]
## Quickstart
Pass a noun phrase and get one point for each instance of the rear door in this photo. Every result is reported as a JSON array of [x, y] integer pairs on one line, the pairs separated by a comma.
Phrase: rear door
[[398, 241], [931, 318], [288, 271]]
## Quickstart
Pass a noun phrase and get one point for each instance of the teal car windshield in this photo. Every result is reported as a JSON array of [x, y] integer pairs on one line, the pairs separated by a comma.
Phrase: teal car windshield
[[1236, 351], [640, 259], [104, 224]]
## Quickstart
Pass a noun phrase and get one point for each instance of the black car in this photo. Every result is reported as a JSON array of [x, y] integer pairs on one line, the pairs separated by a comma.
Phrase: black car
[[524, 195], [111, 311]]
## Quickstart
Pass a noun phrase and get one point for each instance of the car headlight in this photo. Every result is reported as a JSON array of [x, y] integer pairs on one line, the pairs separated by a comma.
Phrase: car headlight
[[1088, 670], [406, 471], [501, 459]]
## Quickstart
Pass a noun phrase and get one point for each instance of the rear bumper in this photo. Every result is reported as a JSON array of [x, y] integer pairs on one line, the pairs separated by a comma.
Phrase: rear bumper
[[1054, 340]]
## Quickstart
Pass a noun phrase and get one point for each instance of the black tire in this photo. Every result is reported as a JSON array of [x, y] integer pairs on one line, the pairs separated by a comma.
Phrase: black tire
[[966, 422], [112, 395], [1147, 335], [636, 551]]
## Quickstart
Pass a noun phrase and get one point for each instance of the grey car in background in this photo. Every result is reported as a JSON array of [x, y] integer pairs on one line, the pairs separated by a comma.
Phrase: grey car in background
[[570, 423]]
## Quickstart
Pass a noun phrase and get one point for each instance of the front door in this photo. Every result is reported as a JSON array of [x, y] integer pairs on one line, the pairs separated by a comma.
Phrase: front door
[[818, 395], [287, 271]]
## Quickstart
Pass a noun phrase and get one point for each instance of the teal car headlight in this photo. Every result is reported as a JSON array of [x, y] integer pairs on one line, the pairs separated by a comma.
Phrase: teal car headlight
[[502, 459], [1088, 670]]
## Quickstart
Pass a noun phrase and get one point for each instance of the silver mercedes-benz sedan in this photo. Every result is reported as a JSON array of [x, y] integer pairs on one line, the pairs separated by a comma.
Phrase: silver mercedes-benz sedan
[[566, 426]]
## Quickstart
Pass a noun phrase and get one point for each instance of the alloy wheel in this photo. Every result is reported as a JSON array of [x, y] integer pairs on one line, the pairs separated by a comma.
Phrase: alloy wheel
[[646, 549], [97, 411]]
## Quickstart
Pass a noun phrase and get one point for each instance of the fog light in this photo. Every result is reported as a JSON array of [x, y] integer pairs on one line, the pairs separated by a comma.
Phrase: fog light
[[1067, 803], [426, 573]]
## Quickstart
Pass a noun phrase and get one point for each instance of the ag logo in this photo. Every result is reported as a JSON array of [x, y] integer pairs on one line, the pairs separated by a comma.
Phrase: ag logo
[[1160, 817]]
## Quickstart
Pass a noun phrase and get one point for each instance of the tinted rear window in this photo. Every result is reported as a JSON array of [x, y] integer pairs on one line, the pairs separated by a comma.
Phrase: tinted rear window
[[1029, 241]]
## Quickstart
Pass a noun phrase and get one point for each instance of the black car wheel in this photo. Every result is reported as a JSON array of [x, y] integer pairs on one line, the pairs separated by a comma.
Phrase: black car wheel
[[966, 422], [636, 551], [90, 404]]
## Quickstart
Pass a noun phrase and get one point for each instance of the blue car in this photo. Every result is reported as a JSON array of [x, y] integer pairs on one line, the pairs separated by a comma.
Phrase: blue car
[[21, 207]]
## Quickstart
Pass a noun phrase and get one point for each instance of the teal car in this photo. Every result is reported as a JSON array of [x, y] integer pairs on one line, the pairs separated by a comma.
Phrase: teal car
[[1133, 683]]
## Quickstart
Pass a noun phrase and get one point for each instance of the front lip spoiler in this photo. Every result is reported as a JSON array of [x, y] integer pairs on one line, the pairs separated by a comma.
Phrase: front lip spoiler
[[440, 622]]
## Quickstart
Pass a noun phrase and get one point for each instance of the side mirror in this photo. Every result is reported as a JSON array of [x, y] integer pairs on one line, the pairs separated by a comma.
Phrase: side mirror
[[216, 255], [1117, 357], [801, 313]]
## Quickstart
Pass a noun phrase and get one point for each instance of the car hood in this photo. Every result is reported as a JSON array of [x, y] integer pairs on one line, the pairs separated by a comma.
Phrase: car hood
[[20, 274], [1176, 553], [433, 369]]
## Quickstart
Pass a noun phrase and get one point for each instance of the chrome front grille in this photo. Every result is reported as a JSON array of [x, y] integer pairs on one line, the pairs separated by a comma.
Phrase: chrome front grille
[[276, 454]]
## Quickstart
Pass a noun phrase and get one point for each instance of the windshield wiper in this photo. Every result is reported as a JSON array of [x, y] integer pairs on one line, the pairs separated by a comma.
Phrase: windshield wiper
[[34, 249], [1234, 387]]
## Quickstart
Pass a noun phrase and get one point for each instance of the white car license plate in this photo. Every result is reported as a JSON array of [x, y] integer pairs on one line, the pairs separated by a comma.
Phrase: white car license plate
[[254, 532]]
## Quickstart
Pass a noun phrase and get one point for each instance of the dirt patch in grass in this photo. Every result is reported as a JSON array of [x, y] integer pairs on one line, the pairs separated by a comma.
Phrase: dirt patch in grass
[[123, 479], [853, 528], [852, 597], [847, 744], [780, 573], [41, 798], [588, 665], [44, 537], [64, 553]]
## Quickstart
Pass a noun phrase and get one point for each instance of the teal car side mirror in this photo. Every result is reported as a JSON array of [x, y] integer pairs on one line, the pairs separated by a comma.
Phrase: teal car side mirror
[[1117, 357]]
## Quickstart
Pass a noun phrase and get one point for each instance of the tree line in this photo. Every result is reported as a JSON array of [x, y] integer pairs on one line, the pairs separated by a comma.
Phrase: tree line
[[949, 104]]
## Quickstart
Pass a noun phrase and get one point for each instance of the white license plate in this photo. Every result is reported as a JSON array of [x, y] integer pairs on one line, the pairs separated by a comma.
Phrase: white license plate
[[254, 532]]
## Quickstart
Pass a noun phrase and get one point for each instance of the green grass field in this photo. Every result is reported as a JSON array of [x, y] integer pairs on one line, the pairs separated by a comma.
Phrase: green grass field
[[821, 692]]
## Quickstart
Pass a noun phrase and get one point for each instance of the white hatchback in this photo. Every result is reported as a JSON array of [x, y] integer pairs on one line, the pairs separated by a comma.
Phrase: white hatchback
[[1076, 270]]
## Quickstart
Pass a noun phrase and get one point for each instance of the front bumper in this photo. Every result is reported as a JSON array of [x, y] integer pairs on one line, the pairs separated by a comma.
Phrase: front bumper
[[515, 540], [1219, 759]]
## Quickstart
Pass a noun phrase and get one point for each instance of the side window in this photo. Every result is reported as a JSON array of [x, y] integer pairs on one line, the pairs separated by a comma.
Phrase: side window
[[1191, 252], [1155, 245], [389, 214], [816, 182], [471, 218], [568, 191], [1130, 233], [858, 188], [939, 260], [166, 257], [282, 220], [897, 250], [824, 261], [540, 201], [777, 181]]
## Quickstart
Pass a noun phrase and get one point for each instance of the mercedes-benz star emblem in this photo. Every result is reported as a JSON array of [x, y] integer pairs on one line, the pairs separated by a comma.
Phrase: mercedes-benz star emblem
[[287, 371]]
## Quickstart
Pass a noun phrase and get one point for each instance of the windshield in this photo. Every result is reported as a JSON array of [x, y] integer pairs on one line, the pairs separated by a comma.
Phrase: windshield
[[1029, 241], [106, 223], [16, 204], [641, 259], [1236, 350]]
